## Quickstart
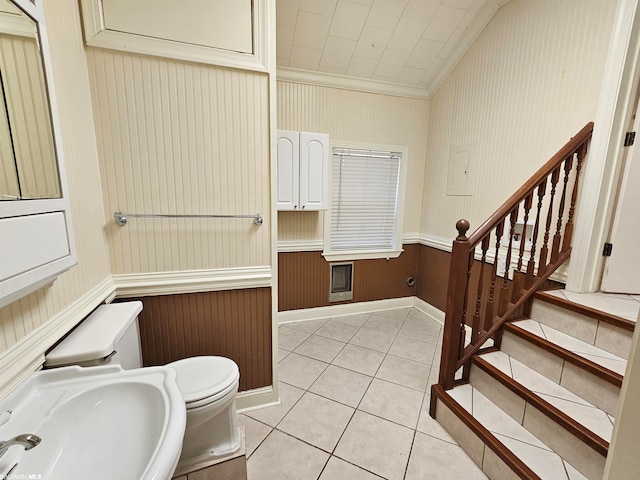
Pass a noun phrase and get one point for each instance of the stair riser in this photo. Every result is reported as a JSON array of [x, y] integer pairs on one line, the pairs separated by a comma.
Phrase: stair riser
[[588, 461], [592, 388], [606, 336], [480, 453]]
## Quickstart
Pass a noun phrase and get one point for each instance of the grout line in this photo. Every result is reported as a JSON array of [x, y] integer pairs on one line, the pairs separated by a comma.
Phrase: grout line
[[356, 409], [413, 441]]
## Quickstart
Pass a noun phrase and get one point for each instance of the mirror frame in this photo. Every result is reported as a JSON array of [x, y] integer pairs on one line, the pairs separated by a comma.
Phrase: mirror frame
[[21, 284]]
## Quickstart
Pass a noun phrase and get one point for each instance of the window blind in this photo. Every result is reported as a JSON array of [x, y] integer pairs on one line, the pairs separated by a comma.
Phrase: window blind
[[364, 199]]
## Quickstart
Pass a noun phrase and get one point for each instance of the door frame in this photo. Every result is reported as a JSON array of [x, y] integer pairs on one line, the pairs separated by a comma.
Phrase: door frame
[[603, 167]]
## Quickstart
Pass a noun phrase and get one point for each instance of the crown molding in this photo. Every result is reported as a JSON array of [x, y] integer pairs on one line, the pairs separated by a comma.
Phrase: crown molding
[[286, 74]]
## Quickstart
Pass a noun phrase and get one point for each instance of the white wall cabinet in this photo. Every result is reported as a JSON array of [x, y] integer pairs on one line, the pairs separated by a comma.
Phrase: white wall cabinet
[[303, 170]]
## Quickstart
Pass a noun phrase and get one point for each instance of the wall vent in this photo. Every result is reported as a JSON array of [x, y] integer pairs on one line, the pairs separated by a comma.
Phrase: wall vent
[[341, 287]]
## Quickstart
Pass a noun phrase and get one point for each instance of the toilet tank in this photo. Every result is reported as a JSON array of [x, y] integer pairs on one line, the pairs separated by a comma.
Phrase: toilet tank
[[110, 335]]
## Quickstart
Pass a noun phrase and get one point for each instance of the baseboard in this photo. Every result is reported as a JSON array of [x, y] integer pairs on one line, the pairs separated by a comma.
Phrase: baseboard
[[344, 309], [429, 310], [191, 281], [256, 398], [27, 355]]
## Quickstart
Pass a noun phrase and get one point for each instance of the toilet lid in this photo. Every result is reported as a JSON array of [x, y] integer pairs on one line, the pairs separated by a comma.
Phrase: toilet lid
[[202, 377]]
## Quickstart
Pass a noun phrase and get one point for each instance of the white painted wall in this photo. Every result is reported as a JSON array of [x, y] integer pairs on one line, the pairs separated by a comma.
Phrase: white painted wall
[[361, 117], [527, 84], [181, 138], [33, 312]]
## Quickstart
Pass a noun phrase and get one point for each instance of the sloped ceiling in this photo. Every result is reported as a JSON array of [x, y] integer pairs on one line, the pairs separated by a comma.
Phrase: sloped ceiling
[[410, 44]]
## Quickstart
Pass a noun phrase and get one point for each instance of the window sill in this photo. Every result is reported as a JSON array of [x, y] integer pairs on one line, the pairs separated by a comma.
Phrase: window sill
[[360, 255]]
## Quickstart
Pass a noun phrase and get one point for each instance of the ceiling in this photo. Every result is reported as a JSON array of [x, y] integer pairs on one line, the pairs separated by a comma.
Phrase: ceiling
[[403, 42]]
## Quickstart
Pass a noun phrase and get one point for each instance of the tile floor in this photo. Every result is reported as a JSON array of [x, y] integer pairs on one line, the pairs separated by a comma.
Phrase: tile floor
[[355, 400], [620, 304]]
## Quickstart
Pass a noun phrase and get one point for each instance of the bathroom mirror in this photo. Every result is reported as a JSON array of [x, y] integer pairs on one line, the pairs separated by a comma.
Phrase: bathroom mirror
[[36, 233], [28, 163]]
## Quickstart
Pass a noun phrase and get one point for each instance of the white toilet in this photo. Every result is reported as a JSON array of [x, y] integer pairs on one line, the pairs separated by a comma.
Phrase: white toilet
[[110, 335]]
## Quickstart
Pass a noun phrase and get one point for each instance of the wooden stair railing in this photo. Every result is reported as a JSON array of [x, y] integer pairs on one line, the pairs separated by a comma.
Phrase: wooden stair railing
[[478, 292]]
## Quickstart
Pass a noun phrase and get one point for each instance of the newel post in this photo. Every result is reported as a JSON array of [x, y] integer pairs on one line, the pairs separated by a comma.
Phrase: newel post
[[453, 336]]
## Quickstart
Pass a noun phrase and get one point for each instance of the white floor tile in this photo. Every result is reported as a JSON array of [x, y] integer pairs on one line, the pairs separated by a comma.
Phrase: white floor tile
[[439, 460], [372, 339], [404, 372], [620, 305], [307, 326], [392, 402], [254, 433], [545, 463], [289, 395], [359, 359], [499, 422], [282, 353], [317, 421], [376, 445], [355, 320], [282, 457], [337, 469], [412, 349], [300, 371], [289, 339], [591, 417], [337, 331], [384, 324], [342, 385], [573, 473], [320, 348], [430, 426]]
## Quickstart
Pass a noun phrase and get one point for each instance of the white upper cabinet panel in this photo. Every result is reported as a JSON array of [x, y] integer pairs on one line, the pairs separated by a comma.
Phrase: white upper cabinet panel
[[314, 158], [288, 170], [230, 33], [303, 170]]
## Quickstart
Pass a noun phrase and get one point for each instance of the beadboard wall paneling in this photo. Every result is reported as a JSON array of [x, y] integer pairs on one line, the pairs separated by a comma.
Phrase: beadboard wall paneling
[[347, 115], [235, 324], [528, 83], [181, 138], [303, 279], [19, 319], [432, 276]]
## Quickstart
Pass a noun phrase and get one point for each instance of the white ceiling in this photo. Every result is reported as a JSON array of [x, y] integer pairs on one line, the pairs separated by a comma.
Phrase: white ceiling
[[406, 42]]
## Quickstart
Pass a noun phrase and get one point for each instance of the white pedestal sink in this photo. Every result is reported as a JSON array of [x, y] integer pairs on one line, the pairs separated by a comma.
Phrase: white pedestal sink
[[98, 423]]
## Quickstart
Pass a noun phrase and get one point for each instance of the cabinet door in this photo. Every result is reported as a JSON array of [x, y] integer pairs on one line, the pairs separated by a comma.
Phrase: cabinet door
[[314, 171], [288, 165]]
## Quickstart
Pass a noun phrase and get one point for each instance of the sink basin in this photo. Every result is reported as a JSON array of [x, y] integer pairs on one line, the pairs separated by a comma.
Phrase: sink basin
[[95, 422]]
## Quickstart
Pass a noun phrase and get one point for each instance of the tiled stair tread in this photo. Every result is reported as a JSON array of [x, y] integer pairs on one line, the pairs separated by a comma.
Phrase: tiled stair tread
[[585, 413], [535, 454], [590, 352], [622, 312]]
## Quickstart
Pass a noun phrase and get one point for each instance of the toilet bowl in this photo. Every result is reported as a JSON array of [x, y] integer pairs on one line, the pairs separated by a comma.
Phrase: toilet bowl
[[209, 384]]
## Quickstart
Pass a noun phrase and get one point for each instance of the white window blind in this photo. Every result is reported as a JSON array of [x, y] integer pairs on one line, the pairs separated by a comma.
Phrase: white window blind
[[364, 199]]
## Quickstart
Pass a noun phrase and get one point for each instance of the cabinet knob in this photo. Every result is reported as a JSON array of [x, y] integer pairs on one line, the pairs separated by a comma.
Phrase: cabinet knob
[[303, 206]]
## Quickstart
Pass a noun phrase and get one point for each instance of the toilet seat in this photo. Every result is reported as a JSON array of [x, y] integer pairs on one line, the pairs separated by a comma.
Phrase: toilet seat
[[204, 380]]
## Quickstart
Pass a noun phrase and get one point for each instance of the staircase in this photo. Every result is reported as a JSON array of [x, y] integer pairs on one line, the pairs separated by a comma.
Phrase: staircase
[[542, 406], [529, 381]]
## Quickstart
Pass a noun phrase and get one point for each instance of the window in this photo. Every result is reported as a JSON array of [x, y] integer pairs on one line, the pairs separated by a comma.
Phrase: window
[[363, 219]]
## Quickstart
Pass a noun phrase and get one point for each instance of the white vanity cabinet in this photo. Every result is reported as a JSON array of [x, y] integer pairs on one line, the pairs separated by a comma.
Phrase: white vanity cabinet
[[36, 235], [303, 170]]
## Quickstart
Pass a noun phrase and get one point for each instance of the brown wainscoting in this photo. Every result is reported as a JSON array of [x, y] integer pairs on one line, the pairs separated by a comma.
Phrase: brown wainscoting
[[432, 276], [233, 323], [303, 279]]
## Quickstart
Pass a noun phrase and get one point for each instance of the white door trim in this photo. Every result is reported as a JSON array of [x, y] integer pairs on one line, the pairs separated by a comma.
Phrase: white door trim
[[602, 168]]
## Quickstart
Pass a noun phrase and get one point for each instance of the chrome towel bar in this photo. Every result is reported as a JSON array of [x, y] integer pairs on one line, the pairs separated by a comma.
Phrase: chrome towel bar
[[121, 218]]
